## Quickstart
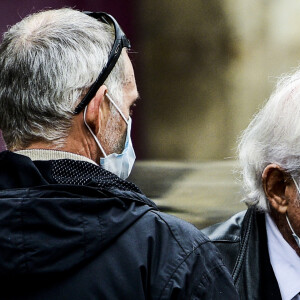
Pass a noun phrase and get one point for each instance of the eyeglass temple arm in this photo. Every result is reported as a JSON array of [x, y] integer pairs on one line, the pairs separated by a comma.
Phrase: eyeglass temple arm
[[115, 53]]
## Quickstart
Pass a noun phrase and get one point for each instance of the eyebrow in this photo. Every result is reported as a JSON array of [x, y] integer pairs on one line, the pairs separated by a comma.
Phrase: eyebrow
[[128, 80], [138, 97]]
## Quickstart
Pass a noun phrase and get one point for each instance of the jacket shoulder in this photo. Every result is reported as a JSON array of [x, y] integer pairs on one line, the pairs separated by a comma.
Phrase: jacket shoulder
[[185, 233], [227, 238], [228, 231], [195, 267]]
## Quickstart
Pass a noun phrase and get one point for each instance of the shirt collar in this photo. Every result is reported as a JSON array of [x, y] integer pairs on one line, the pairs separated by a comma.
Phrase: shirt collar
[[284, 260], [46, 154]]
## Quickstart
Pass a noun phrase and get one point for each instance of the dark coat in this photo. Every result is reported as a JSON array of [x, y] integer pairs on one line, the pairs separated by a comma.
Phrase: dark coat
[[71, 230], [242, 241]]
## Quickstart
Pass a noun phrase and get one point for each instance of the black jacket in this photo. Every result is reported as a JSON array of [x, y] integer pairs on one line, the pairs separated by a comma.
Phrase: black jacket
[[242, 241], [71, 230]]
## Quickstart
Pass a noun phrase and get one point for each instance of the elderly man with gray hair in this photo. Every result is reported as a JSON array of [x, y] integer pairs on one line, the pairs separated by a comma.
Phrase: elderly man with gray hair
[[261, 246], [71, 226]]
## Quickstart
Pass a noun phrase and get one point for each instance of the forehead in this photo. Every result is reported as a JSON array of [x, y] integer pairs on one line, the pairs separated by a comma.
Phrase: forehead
[[129, 81]]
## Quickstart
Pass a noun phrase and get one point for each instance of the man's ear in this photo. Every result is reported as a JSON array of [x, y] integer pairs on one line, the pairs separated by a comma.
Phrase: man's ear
[[275, 184], [96, 110]]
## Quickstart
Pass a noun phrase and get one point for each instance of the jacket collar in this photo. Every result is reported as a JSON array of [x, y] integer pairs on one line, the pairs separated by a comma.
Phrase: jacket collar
[[253, 273], [242, 241], [49, 154], [19, 171]]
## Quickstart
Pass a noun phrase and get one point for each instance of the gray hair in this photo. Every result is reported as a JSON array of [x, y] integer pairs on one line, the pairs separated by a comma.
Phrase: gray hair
[[47, 62], [273, 136]]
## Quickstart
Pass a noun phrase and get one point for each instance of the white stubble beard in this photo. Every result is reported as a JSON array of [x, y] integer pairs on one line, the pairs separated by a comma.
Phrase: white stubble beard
[[111, 136]]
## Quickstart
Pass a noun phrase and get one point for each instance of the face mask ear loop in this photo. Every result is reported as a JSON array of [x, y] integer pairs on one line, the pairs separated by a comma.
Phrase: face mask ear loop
[[293, 232], [116, 106], [295, 236], [296, 184], [92, 133]]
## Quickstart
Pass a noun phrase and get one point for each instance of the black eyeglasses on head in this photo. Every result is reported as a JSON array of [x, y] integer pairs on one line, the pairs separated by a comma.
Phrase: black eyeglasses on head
[[120, 42]]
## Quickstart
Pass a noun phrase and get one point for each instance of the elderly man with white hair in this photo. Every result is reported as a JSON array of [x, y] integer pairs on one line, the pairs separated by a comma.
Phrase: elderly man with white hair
[[261, 246], [71, 226]]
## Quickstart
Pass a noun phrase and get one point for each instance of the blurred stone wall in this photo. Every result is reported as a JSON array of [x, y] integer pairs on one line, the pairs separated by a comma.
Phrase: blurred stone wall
[[267, 38], [206, 66]]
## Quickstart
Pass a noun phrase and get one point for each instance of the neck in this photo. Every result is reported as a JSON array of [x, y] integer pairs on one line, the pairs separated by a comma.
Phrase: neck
[[281, 223], [79, 141]]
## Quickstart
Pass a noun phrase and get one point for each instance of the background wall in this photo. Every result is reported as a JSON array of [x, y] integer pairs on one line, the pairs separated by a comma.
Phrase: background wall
[[203, 67], [188, 49], [207, 66]]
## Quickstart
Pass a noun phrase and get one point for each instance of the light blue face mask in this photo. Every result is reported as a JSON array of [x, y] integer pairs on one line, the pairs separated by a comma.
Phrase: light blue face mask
[[119, 164], [295, 236]]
